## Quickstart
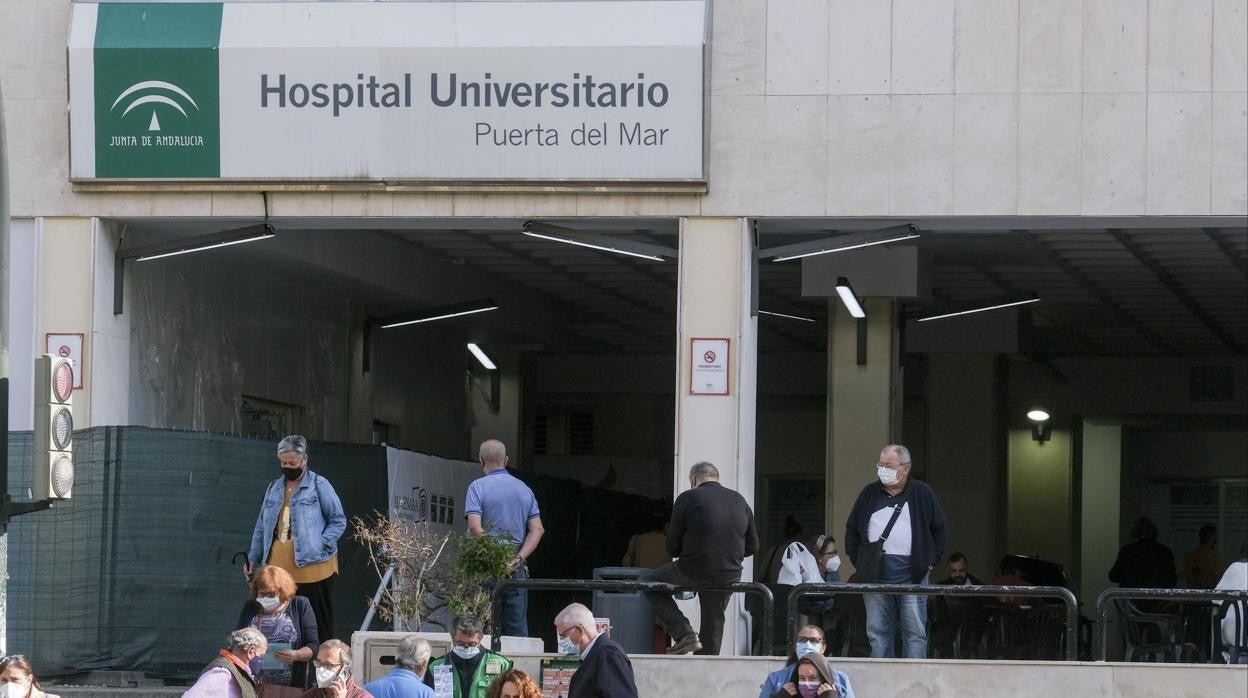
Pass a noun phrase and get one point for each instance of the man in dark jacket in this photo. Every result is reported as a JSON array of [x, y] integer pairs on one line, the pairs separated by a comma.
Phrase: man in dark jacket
[[711, 532], [912, 549], [605, 670]]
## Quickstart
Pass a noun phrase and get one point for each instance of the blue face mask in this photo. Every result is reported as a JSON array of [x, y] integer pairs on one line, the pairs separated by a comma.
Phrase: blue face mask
[[805, 648]]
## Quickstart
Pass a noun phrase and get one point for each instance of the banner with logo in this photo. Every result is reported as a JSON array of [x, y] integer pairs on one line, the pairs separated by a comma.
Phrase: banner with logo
[[429, 488], [392, 92]]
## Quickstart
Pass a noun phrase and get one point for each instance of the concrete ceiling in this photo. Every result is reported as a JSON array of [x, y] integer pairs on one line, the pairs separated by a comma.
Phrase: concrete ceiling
[[1110, 287]]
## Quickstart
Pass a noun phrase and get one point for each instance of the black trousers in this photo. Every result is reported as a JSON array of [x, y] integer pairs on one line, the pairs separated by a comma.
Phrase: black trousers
[[712, 603], [317, 594]]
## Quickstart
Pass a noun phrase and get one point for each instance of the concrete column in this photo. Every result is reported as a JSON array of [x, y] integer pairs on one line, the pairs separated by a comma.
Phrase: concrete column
[[862, 405], [961, 454], [716, 256], [74, 287]]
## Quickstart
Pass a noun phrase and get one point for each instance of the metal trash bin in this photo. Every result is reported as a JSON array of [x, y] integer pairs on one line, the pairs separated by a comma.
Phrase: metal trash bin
[[631, 614]]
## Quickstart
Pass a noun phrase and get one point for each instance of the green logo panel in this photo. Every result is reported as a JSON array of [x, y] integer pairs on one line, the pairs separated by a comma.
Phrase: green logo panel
[[157, 91]]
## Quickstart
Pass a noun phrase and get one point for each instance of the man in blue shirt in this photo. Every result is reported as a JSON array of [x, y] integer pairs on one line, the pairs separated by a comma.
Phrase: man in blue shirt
[[510, 510], [411, 659]]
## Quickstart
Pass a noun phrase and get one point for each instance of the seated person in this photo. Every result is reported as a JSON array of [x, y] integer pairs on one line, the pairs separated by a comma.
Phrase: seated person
[[957, 621], [17, 678], [334, 677], [514, 683], [814, 677], [808, 643], [229, 674], [406, 680], [471, 667], [1236, 618], [282, 617]]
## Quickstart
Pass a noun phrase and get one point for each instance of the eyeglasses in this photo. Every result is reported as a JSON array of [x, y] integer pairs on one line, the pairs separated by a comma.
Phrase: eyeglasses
[[807, 638], [326, 665], [467, 643], [891, 466]]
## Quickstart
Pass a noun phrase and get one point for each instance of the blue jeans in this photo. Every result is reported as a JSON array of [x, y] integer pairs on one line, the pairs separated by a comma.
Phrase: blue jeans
[[515, 608], [885, 612]]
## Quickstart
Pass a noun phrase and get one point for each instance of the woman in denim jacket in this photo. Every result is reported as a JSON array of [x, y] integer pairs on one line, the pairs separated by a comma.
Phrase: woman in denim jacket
[[298, 529]]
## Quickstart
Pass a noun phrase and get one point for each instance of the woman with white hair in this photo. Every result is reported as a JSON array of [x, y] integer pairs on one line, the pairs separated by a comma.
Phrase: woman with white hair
[[300, 522], [229, 676]]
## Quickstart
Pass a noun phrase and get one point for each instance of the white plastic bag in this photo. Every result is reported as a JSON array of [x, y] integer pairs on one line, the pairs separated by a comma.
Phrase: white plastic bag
[[797, 566]]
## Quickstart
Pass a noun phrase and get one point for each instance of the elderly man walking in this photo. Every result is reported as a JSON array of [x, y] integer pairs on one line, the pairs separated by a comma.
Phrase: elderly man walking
[[500, 502], [711, 532], [906, 517], [406, 680], [605, 670]]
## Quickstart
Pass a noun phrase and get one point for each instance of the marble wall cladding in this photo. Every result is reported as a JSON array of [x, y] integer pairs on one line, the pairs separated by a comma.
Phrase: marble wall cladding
[[860, 137], [985, 48], [859, 47], [922, 55], [1179, 131], [1230, 45], [1179, 41], [922, 175], [738, 47], [985, 154], [1114, 153], [1049, 153], [795, 165], [1229, 157], [1115, 45], [1050, 46], [797, 47]]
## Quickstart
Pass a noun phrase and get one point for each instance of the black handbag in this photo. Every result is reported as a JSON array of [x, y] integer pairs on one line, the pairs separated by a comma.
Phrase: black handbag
[[868, 564]]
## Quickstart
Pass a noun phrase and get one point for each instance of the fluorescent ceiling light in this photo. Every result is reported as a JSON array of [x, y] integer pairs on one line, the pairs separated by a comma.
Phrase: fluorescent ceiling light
[[201, 248], [846, 248], [592, 246], [841, 243], [1038, 414], [445, 316], [482, 358], [846, 292], [785, 315], [982, 309]]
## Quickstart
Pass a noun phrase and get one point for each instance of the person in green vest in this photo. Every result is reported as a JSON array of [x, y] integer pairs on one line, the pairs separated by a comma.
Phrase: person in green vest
[[470, 667]]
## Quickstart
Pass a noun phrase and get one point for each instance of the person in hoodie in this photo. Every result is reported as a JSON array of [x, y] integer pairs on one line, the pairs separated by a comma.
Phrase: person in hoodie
[[808, 644]]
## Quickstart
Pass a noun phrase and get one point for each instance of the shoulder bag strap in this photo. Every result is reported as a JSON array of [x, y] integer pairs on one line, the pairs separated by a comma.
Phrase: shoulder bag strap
[[889, 528]]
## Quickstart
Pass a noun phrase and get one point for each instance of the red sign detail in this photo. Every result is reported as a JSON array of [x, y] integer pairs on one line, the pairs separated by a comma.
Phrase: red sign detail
[[63, 351], [709, 357]]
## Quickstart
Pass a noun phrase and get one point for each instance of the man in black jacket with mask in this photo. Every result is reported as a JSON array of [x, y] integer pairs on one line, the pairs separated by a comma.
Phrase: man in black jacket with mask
[[711, 532]]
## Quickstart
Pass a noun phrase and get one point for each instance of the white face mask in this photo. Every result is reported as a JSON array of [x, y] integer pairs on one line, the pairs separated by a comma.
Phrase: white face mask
[[466, 652], [566, 646], [325, 677], [834, 563], [888, 476], [13, 690], [269, 603]]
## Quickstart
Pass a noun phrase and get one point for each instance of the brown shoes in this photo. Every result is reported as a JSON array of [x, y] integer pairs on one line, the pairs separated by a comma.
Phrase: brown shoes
[[686, 645]]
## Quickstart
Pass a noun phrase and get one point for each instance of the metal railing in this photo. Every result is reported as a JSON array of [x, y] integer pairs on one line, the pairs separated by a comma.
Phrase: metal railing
[[505, 585], [1100, 639], [1071, 639]]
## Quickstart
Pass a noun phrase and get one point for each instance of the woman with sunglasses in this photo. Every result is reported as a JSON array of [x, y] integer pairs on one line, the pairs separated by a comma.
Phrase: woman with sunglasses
[[809, 641]]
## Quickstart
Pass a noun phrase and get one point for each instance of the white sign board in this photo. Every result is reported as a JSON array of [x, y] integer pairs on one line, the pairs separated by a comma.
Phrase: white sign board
[[67, 346], [708, 360], [393, 92]]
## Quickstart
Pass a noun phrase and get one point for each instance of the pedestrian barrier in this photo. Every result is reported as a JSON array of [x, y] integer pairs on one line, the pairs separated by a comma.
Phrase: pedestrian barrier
[[1104, 602], [505, 585], [1070, 637]]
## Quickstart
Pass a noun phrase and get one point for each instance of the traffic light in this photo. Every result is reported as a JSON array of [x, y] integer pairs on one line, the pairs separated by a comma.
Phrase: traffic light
[[54, 428]]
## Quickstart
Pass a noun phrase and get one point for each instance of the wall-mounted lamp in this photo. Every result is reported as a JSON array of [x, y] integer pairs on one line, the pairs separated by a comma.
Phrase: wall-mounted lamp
[[495, 375], [854, 306], [1041, 424]]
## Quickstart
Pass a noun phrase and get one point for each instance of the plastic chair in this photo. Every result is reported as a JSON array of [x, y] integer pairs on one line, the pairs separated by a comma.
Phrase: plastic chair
[[1152, 636], [1239, 648]]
